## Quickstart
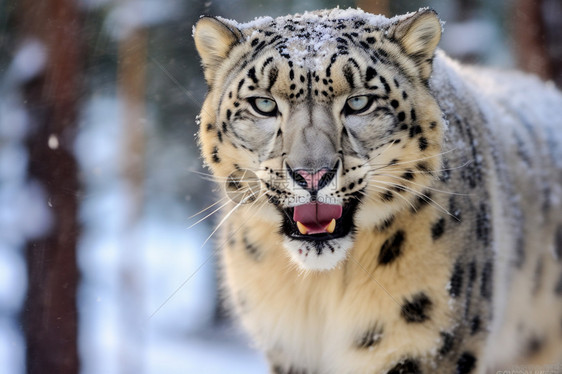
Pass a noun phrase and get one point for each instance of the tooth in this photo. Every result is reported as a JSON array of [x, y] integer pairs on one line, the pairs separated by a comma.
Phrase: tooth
[[332, 226], [302, 228]]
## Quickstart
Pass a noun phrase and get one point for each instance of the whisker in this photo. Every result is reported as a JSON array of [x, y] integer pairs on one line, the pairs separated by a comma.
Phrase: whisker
[[369, 197], [222, 221], [242, 191], [188, 278], [207, 208], [379, 154], [258, 200], [210, 214], [416, 160], [421, 185], [212, 177], [419, 194], [422, 172], [389, 190]]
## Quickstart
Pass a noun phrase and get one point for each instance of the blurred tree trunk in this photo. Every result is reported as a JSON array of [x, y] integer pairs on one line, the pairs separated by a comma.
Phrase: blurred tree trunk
[[530, 38], [466, 9], [375, 6], [132, 90], [552, 15], [52, 99], [538, 40]]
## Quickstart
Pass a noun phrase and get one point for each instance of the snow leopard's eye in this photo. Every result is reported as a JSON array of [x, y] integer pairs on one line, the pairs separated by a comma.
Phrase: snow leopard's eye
[[264, 106], [357, 104]]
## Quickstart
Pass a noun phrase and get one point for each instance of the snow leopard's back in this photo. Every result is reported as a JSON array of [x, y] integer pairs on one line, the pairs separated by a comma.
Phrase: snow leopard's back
[[514, 146]]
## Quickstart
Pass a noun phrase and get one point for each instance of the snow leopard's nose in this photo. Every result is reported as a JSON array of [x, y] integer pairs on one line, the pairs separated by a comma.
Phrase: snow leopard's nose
[[313, 180]]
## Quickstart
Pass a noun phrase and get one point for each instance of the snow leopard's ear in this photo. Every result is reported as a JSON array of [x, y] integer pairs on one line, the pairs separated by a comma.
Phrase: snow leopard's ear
[[419, 35], [214, 39]]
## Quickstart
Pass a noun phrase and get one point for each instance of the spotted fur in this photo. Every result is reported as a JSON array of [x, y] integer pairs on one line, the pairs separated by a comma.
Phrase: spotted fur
[[448, 255]]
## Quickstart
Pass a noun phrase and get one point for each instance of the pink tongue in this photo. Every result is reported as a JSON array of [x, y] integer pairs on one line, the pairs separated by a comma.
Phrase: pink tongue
[[316, 216]]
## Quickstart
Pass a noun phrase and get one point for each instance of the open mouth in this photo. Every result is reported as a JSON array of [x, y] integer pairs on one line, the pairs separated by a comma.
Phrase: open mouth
[[319, 222]]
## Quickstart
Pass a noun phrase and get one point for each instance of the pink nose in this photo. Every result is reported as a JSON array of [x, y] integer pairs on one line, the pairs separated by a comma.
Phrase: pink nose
[[312, 179]]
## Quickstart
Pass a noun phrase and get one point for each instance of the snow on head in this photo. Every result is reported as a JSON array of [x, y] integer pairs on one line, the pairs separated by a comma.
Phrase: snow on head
[[311, 36]]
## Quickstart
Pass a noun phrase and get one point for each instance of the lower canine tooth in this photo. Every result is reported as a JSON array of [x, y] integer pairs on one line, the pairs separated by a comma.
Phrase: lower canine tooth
[[332, 226], [302, 228]]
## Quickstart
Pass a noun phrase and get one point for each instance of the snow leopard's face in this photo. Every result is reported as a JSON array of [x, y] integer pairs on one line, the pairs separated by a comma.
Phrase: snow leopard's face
[[330, 113]]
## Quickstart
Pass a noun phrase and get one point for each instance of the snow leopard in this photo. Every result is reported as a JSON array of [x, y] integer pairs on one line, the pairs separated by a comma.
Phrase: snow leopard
[[386, 209]]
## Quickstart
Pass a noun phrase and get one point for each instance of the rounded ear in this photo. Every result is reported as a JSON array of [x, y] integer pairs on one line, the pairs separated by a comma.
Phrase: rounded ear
[[419, 35], [214, 39]]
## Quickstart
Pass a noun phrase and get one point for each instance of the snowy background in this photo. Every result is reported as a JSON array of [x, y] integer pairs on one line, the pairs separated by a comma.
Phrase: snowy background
[[147, 297]]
